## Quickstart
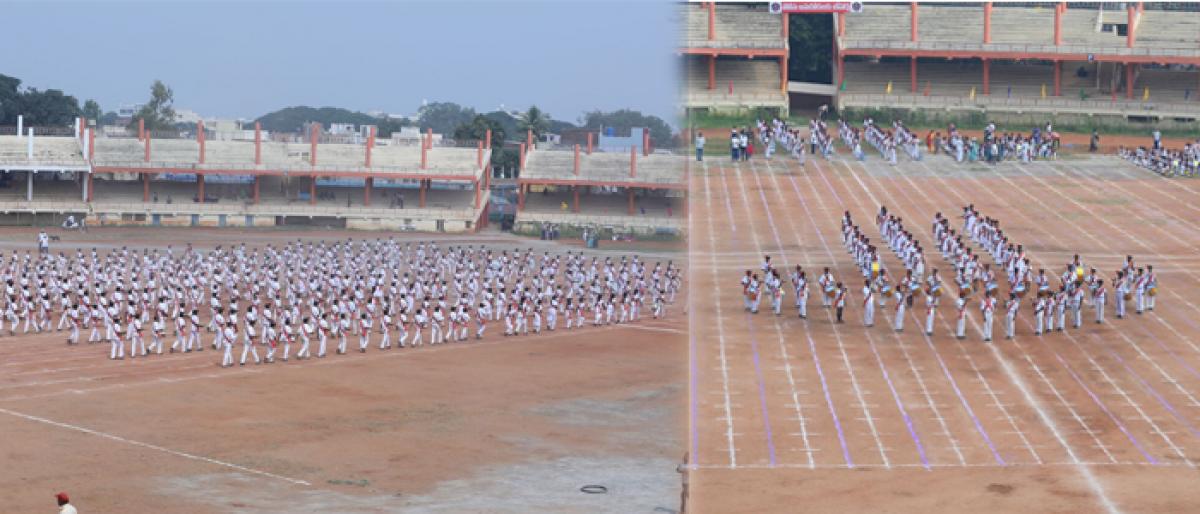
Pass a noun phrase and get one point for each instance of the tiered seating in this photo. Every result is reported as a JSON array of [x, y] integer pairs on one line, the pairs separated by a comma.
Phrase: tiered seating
[[755, 83], [1159, 31], [185, 153], [736, 26], [603, 167], [47, 152]]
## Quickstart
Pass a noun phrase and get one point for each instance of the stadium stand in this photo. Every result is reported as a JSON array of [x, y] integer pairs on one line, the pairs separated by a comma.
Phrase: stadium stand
[[735, 57], [1088, 59], [634, 191], [171, 181]]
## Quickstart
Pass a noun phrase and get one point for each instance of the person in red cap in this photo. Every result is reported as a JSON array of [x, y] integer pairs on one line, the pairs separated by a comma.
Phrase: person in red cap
[[64, 504]]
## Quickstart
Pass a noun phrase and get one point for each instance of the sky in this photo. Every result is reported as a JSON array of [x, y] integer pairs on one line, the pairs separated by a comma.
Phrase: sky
[[242, 59]]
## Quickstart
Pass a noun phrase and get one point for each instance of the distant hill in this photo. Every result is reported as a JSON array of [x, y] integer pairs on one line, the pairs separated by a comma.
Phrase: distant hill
[[292, 119]]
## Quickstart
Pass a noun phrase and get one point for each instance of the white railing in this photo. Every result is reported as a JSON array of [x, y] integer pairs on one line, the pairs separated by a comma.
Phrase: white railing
[[236, 209], [851, 43], [1122, 107], [571, 218]]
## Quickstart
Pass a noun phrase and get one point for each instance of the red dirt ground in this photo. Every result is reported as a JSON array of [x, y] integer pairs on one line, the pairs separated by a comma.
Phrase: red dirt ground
[[501, 425], [804, 415]]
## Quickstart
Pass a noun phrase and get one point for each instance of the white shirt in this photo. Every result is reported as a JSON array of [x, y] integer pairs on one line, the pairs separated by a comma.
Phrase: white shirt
[[67, 509]]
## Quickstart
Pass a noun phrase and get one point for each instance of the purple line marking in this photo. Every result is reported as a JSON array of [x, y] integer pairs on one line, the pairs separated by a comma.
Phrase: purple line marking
[[1172, 352], [695, 457], [1096, 400], [816, 360], [945, 371], [896, 396], [1157, 396], [762, 390], [812, 347]]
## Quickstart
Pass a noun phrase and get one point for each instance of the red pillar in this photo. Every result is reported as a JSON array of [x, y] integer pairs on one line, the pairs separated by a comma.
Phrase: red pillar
[[429, 137], [632, 162], [91, 135], [576, 160], [521, 162], [1129, 79], [630, 190], [783, 75], [783, 29], [590, 134], [912, 74], [1058, 10], [91, 186], [424, 153], [841, 24], [146, 142], [200, 186], [520, 197], [145, 187], [312, 191], [257, 143], [367, 183], [575, 191], [987, 24], [1130, 29], [987, 76], [200, 137], [82, 128], [712, 21], [477, 195], [370, 145], [421, 203], [479, 154], [712, 72], [141, 128], [529, 139], [913, 6], [256, 177], [1057, 78], [645, 141], [313, 132], [488, 140], [841, 70]]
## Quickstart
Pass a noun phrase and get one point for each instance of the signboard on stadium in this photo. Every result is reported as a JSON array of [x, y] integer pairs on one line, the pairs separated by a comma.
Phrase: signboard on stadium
[[815, 7]]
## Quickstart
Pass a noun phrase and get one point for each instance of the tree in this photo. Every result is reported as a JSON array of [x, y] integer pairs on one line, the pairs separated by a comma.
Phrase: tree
[[92, 110], [626, 119], [292, 119], [534, 119], [444, 117], [10, 99], [48, 108], [159, 112], [477, 129], [811, 40]]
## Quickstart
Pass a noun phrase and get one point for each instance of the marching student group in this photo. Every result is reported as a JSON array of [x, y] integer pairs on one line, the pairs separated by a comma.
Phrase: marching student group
[[1053, 299], [308, 296]]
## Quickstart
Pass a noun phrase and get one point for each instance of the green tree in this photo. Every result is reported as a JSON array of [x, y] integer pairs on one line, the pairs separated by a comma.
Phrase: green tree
[[477, 129], [10, 99], [159, 112], [49, 107], [444, 117], [811, 42], [92, 110], [534, 119], [626, 119]]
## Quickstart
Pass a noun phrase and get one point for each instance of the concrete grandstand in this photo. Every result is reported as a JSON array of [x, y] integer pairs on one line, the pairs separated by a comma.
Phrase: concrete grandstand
[[1131, 60], [160, 180], [735, 57], [634, 191]]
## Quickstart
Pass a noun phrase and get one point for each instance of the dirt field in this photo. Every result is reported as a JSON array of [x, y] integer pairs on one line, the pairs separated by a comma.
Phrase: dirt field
[[792, 415], [498, 425]]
